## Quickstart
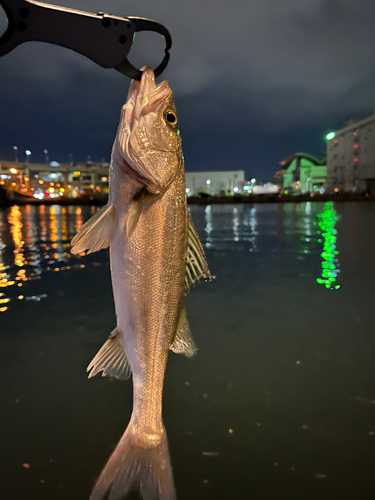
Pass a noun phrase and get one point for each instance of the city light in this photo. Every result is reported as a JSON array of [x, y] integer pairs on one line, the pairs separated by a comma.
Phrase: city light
[[54, 164], [253, 181], [13, 171], [187, 190], [76, 173], [16, 153], [327, 221], [235, 189], [208, 182], [330, 136]]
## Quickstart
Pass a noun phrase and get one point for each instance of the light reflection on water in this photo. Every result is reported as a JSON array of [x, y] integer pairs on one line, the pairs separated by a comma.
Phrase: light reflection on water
[[244, 227], [35, 240]]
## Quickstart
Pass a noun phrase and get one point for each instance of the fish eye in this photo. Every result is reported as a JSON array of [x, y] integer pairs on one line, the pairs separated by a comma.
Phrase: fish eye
[[171, 118]]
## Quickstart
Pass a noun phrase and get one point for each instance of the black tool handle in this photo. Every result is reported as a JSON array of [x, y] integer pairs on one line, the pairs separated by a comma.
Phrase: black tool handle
[[103, 38]]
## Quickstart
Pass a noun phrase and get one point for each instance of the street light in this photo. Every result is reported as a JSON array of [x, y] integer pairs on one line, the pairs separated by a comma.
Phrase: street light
[[16, 152], [46, 153], [28, 153]]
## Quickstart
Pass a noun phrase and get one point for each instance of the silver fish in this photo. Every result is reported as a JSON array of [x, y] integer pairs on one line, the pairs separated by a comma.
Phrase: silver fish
[[155, 257]]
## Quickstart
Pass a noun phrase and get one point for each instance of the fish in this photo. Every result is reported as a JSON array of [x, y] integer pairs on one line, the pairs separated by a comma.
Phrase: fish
[[155, 258]]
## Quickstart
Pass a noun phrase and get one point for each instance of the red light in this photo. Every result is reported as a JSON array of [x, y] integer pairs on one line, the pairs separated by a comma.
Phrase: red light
[[356, 146], [335, 141], [355, 160], [354, 133]]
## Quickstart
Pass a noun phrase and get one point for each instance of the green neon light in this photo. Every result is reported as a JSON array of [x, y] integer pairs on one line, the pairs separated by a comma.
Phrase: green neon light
[[326, 223], [330, 136]]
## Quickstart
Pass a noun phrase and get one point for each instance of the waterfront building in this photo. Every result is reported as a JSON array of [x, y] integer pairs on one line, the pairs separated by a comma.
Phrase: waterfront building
[[215, 183], [302, 173], [54, 179], [351, 157]]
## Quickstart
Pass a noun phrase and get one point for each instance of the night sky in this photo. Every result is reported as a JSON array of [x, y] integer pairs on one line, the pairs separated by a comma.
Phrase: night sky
[[254, 81]]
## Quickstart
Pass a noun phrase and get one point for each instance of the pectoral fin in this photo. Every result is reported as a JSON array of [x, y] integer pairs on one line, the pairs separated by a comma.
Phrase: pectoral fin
[[96, 233], [196, 265], [183, 342]]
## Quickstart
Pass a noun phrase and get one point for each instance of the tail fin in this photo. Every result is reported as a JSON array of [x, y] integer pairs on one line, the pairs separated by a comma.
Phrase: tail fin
[[137, 466]]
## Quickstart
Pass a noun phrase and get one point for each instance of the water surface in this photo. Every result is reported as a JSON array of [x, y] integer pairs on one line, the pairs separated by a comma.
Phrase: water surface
[[279, 402]]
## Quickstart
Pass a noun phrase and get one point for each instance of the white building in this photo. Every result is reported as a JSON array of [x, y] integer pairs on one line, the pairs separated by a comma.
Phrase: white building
[[351, 157], [215, 183]]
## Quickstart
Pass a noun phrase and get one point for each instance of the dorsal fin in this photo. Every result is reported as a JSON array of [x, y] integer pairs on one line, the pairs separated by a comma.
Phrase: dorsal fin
[[196, 264]]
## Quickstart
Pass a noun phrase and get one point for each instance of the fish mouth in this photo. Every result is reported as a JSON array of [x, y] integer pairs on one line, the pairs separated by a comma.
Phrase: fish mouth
[[150, 93], [144, 97], [160, 92]]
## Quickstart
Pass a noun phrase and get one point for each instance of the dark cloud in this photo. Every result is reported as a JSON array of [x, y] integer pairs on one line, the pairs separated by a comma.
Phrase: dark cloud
[[253, 80]]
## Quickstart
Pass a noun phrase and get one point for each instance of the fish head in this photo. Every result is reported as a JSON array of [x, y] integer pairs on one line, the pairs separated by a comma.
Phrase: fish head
[[148, 138]]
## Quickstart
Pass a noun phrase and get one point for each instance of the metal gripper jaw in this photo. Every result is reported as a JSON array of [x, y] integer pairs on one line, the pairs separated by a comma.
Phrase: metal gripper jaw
[[103, 38]]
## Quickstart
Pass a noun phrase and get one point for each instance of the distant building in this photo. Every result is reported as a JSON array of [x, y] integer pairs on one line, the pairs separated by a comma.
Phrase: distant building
[[351, 157], [54, 179], [302, 173], [215, 183]]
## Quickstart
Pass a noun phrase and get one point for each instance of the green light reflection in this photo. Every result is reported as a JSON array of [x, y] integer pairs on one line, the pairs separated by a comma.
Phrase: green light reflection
[[327, 231]]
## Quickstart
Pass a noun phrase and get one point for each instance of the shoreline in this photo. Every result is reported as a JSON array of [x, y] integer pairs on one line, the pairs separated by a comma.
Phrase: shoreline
[[210, 200]]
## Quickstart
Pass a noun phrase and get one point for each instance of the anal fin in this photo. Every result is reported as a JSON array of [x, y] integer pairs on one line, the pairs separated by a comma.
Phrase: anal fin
[[110, 359], [183, 342]]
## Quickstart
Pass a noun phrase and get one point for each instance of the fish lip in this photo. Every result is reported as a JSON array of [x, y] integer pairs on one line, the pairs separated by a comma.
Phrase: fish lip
[[160, 92]]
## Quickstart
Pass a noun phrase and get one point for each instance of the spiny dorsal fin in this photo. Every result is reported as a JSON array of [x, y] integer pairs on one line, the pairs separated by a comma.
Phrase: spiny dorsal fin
[[183, 342], [110, 359], [96, 233], [196, 264]]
